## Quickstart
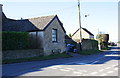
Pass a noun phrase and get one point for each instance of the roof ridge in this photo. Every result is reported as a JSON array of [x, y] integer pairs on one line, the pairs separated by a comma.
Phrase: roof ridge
[[84, 30], [42, 16]]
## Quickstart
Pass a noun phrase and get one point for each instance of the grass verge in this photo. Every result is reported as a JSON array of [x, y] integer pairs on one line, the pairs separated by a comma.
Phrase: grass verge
[[89, 52], [108, 48], [53, 56]]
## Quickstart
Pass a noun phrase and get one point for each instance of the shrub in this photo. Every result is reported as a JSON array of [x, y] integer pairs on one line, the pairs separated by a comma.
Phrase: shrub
[[15, 40], [103, 40]]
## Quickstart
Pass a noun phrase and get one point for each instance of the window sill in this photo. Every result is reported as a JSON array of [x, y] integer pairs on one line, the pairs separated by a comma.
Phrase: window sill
[[54, 42]]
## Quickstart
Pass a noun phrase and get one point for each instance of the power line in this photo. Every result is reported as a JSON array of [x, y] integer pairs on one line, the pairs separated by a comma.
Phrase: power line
[[53, 11]]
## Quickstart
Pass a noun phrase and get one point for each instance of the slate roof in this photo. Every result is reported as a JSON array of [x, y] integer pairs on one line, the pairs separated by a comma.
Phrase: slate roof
[[85, 31], [26, 25]]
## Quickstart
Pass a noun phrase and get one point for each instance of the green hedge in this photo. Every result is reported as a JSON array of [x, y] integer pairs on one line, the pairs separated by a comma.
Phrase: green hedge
[[94, 43], [103, 40], [15, 40]]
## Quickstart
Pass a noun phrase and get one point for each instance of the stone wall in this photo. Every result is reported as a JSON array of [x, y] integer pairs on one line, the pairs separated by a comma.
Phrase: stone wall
[[15, 54], [50, 46], [88, 44]]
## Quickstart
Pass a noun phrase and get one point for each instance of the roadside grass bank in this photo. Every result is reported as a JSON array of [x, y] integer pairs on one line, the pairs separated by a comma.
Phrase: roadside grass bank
[[89, 52], [108, 48], [53, 56]]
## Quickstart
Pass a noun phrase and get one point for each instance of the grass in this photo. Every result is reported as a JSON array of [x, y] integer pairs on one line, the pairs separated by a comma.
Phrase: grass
[[106, 48], [53, 56], [89, 52]]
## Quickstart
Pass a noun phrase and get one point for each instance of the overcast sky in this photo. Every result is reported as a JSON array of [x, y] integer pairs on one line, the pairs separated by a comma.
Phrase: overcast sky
[[103, 15]]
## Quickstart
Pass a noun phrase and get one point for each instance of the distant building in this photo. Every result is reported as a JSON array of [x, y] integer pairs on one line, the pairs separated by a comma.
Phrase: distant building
[[85, 34]]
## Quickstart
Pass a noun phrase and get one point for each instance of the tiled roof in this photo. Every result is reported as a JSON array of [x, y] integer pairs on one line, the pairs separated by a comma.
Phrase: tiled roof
[[32, 24], [85, 31], [41, 22]]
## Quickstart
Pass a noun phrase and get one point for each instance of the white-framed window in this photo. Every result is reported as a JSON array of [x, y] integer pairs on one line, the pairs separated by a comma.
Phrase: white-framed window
[[54, 35]]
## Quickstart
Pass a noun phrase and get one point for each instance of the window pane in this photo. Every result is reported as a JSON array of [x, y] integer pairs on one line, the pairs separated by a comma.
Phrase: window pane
[[54, 35]]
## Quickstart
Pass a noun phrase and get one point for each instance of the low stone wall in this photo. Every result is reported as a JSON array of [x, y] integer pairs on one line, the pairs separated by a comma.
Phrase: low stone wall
[[88, 44], [15, 54]]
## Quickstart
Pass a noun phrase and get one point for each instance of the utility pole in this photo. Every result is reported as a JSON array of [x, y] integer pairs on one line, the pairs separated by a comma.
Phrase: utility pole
[[80, 24]]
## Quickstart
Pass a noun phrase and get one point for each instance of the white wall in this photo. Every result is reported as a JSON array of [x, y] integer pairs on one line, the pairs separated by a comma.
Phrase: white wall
[[85, 35]]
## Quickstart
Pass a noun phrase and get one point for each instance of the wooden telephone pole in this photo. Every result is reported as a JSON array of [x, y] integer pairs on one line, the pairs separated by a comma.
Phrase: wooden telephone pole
[[80, 24]]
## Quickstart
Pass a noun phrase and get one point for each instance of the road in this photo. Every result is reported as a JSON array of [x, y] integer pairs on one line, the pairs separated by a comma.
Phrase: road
[[101, 64]]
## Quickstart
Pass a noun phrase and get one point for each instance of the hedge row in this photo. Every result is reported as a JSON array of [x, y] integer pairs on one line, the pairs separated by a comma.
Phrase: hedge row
[[15, 40], [103, 40], [93, 43]]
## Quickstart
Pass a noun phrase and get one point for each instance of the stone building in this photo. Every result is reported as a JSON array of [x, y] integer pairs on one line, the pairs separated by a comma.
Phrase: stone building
[[47, 32], [85, 34]]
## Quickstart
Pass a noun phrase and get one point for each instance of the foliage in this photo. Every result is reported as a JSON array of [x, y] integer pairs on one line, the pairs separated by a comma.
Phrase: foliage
[[103, 40], [106, 48], [94, 43], [15, 40], [102, 37], [69, 35], [53, 56], [119, 42]]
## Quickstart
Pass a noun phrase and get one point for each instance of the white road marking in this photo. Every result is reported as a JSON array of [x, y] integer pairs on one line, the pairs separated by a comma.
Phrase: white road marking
[[103, 74], [69, 68], [64, 70], [82, 70], [80, 74], [54, 67], [110, 72], [83, 74], [108, 68], [101, 70], [94, 73], [113, 65], [116, 69], [77, 72], [112, 55], [94, 62]]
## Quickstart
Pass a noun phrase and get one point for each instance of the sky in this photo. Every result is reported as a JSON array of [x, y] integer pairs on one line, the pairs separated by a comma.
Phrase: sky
[[103, 15]]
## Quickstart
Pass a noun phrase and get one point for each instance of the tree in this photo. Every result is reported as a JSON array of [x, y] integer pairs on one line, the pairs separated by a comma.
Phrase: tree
[[69, 35], [103, 40]]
